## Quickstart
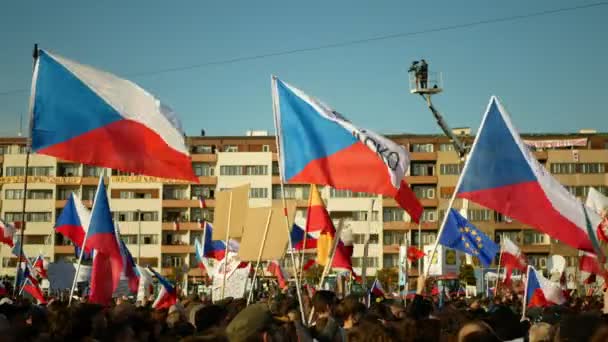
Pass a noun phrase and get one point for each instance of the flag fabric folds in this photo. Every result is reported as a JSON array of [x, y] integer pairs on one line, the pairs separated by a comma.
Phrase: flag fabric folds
[[460, 234], [33, 288], [216, 249], [297, 239], [599, 204], [318, 145], [108, 260], [73, 221], [199, 253], [40, 267], [511, 258], [541, 292], [201, 202], [503, 175], [276, 270], [319, 222], [130, 267], [167, 295], [90, 116], [7, 233], [377, 289], [414, 254]]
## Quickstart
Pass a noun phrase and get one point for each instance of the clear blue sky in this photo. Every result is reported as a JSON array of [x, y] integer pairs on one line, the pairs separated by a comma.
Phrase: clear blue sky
[[550, 71]]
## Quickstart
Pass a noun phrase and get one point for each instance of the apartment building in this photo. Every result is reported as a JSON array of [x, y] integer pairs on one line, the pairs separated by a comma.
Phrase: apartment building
[[148, 209]]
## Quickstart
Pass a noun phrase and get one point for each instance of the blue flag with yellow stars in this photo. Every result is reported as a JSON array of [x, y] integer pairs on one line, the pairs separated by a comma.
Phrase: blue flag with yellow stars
[[460, 234]]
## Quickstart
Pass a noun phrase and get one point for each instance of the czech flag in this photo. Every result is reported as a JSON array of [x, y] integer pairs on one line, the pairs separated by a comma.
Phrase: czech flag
[[216, 249], [33, 288], [318, 145], [297, 239], [167, 295], [7, 233], [377, 289], [502, 174], [541, 292], [130, 267], [108, 262], [90, 116], [198, 251], [73, 221], [276, 270], [201, 202]]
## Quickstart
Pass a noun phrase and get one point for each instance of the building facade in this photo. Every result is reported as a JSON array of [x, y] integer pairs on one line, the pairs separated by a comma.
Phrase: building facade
[[147, 208]]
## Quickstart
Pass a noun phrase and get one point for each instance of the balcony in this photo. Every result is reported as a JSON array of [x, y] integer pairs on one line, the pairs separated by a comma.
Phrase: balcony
[[207, 180], [204, 157], [186, 203], [423, 156], [546, 248], [390, 249], [61, 203], [64, 249], [421, 179], [183, 226], [177, 249], [91, 180], [396, 225], [541, 155]]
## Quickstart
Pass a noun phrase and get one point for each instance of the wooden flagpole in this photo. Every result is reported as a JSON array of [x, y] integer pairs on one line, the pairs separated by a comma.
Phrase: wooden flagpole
[[275, 111], [329, 263], [257, 264], [226, 241]]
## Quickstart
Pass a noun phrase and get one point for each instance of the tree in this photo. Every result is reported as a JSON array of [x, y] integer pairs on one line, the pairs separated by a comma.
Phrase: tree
[[467, 274]]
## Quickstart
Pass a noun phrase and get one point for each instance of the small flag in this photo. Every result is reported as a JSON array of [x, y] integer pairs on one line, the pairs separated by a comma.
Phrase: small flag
[[201, 202], [414, 254], [73, 221], [33, 288], [40, 267], [7, 232], [460, 234], [541, 292], [167, 295], [176, 225], [276, 270], [377, 289]]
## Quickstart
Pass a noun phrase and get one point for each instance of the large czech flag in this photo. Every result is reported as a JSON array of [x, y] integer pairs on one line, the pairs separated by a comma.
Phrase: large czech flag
[[93, 117], [319, 146], [503, 175], [74, 221]]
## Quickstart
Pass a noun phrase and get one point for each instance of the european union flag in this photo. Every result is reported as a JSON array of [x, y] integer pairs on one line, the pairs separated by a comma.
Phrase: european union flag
[[460, 234]]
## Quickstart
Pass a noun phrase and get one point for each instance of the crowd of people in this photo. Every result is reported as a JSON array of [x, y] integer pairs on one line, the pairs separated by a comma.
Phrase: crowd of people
[[277, 318]]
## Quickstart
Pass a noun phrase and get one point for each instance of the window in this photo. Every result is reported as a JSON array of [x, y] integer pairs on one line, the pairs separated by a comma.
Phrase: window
[[446, 192], [175, 193], [207, 191], [371, 262], [265, 148], [392, 238], [173, 261], [592, 167], [4, 149], [202, 214], [22, 149], [429, 215], [571, 261], [68, 170], [40, 194], [362, 216], [29, 217], [13, 194], [335, 193], [538, 261], [36, 239], [203, 149], [450, 169], [392, 214], [40, 171], [511, 235], [421, 148], [256, 170], [563, 168], [360, 239], [390, 261], [131, 216], [231, 170], [92, 171], [275, 168], [498, 217], [64, 193], [446, 147], [15, 171], [258, 193], [203, 169], [301, 212], [422, 169], [129, 239], [291, 191], [149, 239], [424, 191], [88, 192], [231, 148], [479, 215], [535, 238]]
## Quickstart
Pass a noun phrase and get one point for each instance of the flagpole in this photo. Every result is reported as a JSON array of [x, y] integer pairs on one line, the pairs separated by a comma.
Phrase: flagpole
[[523, 312], [226, 248], [366, 246], [420, 248], [498, 269], [329, 262], [28, 148], [257, 264], [82, 250], [275, 111], [203, 225]]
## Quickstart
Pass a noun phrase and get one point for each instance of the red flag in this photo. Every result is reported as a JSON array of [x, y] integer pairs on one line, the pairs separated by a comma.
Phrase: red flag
[[276, 270], [40, 268], [309, 264], [414, 254], [34, 290], [7, 231], [176, 225]]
